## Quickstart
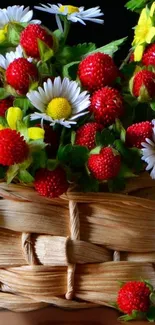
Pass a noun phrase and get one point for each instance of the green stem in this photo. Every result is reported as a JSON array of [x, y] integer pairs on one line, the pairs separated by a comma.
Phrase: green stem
[[66, 30]]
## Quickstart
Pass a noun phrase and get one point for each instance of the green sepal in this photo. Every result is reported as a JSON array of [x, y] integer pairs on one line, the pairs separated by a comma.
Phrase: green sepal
[[39, 160], [45, 69], [22, 128], [149, 285], [37, 145], [135, 315], [120, 129], [96, 150], [110, 48], [25, 177], [3, 93], [70, 70], [52, 164], [126, 172], [46, 53], [13, 33], [105, 138], [152, 105], [88, 183], [151, 314], [12, 173], [144, 96], [152, 297], [73, 137]]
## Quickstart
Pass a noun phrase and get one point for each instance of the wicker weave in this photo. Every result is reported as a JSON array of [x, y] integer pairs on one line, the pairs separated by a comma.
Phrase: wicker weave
[[74, 257]]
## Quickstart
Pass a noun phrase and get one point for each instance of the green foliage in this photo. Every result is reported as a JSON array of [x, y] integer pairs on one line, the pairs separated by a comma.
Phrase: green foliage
[[73, 156], [112, 47], [25, 177], [13, 33], [46, 53], [137, 5], [151, 314], [70, 70], [105, 138], [3, 93]]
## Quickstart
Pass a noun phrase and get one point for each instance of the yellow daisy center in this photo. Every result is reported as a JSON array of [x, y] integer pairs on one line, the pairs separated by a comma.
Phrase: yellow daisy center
[[59, 108], [71, 9]]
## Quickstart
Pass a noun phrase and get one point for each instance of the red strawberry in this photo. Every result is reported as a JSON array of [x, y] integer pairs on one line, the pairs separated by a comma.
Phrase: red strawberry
[[143, 85], [5, 104], [97, 70], [105, 165], [29, 39], [51, 183], [149, 55], [134, 296], [20, 73], [107, 105], [13, 148], [85, 135], [137, 133]]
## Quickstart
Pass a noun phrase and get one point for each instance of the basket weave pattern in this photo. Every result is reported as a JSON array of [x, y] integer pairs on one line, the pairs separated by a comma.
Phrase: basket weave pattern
[[73, 251]]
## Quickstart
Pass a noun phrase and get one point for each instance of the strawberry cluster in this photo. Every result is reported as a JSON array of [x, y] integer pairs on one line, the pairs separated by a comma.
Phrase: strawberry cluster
[[70, 114]]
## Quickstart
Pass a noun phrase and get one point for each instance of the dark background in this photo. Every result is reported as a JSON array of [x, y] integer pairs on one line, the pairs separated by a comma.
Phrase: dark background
[[118, 21]]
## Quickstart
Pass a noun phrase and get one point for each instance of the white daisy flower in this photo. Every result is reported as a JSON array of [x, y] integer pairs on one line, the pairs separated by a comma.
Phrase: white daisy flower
[[16, 14], [73, 14], [148, 151], [11, 56], [59, 101]]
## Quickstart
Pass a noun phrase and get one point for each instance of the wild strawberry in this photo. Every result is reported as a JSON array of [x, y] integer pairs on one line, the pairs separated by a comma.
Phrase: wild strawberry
[[51, 183], [20, 74], [5, 104], [143, 85], [105, 165], [107, 105], [85, 135], [133, 296], [13, 148], [29, 39], [137, 133], [97, 70], [149, 55]]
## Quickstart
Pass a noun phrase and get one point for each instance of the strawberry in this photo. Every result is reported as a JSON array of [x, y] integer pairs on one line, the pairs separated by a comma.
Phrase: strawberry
[[20, 73], [5, 104], [105, 165], [133, 296], [97, 70], [143, 85], [51, 183], [149, 55], [85, 135], [137, 133], [13, 148], [107, 105], [29, 39]]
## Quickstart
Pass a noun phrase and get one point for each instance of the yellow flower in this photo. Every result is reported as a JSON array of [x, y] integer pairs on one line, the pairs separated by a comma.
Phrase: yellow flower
[[15, 114], [144, 31]]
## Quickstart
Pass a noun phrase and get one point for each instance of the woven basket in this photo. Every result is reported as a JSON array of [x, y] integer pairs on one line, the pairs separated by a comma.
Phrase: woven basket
[[74, 257]]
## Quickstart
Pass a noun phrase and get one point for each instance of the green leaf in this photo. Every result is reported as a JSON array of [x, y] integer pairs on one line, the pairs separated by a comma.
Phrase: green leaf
[[110, 48], [135, 315], [116, 185], [151, 314], [128, 69], [75, 156], [58, 35], [152, 104], [125, 172], [3, 121], [11, 173], [3, 93], [88, 183], [123, 150], [74, 53], [22, 103], [39, 160], [52, 164], [2, 172], [136, 5], [96, 150], [46, 53], [26, 163], [70, 70], [105, 138], [45, 70], [73, 137], [25, 177], [13, 33]]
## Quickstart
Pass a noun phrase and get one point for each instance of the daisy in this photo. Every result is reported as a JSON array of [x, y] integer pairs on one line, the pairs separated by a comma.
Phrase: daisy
[[59, 101], [11, 56], [17, 14], [73, 14], [148, 151]]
